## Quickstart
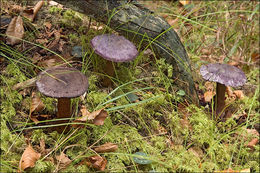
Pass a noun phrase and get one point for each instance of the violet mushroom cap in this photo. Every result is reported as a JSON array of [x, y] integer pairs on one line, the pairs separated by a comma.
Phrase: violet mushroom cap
[[225, 74], [62, 82], [114, 48]]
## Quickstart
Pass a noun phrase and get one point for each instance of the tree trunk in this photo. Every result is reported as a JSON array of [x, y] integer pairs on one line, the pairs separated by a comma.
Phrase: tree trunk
[[134, 21]]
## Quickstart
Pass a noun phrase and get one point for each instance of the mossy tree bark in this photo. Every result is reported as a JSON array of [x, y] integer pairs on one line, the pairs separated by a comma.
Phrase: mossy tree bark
[[138, 23]]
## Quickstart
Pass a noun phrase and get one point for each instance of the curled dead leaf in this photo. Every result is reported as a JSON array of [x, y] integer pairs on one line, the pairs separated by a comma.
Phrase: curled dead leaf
[[184, 2], [239, 94], [107, 147], [98, 117], [36, 106], [15, 31], [63, 160], [28, 159], [30, 13], [252, 143], [97, 162], [25, 84], [208, 95], [36, 103]]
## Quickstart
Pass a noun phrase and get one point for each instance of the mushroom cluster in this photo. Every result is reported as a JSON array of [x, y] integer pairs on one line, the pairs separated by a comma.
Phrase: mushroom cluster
[[224, 75]]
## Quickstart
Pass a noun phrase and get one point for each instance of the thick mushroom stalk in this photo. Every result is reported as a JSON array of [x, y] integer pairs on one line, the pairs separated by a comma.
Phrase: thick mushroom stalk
[[62, 83], [113, 48], [224, 75], [64, 108], [220, 99]]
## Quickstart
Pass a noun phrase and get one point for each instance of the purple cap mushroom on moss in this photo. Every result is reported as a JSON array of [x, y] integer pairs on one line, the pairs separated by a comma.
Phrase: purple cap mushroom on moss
[[114, 48], [224, 75], [62, 83]]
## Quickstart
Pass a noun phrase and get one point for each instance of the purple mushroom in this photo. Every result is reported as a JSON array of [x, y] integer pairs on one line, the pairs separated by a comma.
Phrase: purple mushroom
[[113, 48], [224, 75], [63, 83]]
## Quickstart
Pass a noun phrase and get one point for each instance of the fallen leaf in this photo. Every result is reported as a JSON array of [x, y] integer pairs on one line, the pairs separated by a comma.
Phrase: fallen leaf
[[184, 2], [107, 147], [84, 111], [255, 56], [97, 162], [48, 25], [15, 31], [25, 84], [36, 103], [42, 41], [98, 117], [209, 86], [208, 95], [36, 57], [28, 159], [252, 143], [30, 13], [239, 94], [63, 160]]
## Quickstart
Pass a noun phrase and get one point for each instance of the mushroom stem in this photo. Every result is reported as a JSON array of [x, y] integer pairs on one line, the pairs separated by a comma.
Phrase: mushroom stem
[[220, 99], [64, 111], [110, 71]]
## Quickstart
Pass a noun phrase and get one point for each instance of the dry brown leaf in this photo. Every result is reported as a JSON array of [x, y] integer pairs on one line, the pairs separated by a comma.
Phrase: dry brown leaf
[[255, 56], [98, 117], [209, 86], [252, 143], [107, 147], [63, 160], [184, 2], [28, 159], [239, 94], [48, 63], [30, 13], [48, 25], [36, 103], [42, 41], [15, 31], [97, 162], [208, 95], [229, 92], [25, 84]]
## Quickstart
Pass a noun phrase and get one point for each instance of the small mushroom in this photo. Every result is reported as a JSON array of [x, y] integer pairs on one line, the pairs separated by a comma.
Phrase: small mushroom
[[113, 48], [63, 83], [224, 75]]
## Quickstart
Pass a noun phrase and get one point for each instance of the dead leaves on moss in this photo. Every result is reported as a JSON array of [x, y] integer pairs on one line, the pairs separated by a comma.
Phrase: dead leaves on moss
[[97, 162], [107, 147], [15, 31], [31, 12], [97, 117], [29, 158]]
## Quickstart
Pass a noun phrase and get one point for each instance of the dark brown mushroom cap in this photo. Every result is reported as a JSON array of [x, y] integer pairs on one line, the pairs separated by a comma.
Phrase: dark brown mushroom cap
[[114, 48], [224, 74], [62, 82]]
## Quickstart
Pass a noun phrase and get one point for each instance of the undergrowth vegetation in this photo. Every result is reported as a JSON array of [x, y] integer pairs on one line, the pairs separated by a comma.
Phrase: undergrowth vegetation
[[177, 136]]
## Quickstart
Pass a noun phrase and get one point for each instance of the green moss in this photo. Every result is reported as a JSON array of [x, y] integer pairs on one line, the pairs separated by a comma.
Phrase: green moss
[[43, 166]]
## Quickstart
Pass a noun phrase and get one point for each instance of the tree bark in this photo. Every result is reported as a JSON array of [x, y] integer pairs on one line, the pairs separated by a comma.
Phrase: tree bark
[[138, 23]]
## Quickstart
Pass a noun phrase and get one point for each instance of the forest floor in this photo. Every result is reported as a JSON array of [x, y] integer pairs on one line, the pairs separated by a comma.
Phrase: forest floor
[[146, 124]]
